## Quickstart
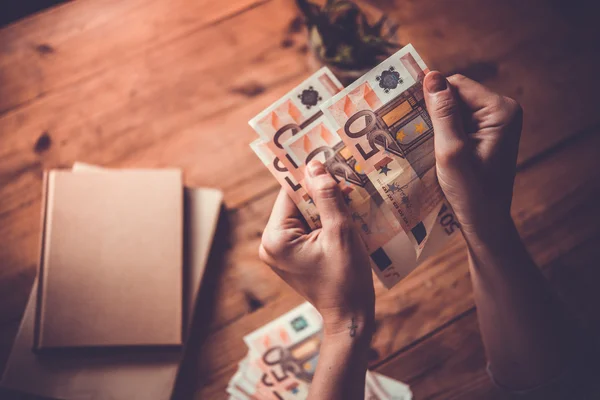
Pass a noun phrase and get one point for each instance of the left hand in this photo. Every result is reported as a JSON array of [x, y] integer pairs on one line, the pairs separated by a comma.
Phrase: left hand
[[328, 266]]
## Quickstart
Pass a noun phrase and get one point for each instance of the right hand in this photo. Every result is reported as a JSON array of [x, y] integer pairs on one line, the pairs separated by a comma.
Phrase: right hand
[[477, 136], [328, 266]]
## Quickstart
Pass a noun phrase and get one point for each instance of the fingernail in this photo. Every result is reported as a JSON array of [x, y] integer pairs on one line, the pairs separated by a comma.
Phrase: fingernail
[[316, 168], [436, 83]]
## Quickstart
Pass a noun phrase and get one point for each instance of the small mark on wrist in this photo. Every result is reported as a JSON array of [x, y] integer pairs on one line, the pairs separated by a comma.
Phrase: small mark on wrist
[[353, 327]]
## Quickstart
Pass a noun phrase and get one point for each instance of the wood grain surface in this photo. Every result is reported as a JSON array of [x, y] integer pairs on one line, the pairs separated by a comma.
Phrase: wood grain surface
[[159, 83]]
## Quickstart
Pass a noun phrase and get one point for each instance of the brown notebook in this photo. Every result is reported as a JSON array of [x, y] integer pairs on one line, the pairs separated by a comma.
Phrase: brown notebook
[[124, 375], [111, 262]]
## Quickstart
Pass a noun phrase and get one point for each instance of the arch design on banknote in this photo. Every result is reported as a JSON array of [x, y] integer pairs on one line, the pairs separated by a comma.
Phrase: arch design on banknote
[[401, 127], [337, 166], [298, 360]]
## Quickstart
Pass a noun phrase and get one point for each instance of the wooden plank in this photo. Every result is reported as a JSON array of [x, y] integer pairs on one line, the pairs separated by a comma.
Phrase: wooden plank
[[450, 363], [499, 43], [59, 47], [169, 122], [440, 290], [7, 333], [77, 133], [135, 111], [429, 298], [535, 51], [142, 113], [74, 132], [110, 119]]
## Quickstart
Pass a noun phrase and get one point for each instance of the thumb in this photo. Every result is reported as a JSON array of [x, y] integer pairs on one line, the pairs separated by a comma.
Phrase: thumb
[[326, 194], [444, 109]]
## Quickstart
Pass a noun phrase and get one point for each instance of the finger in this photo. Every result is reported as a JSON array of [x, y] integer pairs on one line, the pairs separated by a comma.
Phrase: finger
[[486, 108], [444, 108], [326, 194], [285, 214], [285, 225], [473, 94]]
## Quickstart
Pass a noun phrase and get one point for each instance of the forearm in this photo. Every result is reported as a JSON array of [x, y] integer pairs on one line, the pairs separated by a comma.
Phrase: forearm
[[342, 366], [523, 325]]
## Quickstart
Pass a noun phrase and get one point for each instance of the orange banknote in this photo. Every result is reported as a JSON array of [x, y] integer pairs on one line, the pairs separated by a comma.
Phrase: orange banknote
[[393, 251], [291, 113], [288, 182], [282, 360], [383, 120]]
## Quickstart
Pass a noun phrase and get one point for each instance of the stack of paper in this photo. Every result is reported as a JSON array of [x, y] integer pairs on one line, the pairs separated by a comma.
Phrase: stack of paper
[[112, 275]]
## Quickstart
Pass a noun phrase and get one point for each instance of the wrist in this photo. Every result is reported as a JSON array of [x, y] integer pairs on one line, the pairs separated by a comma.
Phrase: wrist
[[342, 342], [357, 324], [498, 243], [489, 228]]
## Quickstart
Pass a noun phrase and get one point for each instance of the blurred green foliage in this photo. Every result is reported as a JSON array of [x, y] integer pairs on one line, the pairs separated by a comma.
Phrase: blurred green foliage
[[341, 35]]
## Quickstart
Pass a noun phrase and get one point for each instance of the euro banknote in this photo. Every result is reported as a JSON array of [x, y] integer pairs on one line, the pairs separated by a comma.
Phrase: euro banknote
[[378, 148], [282, 360], [383, 121], [392, 252], [288, 182], [296, 109], [370, 214]]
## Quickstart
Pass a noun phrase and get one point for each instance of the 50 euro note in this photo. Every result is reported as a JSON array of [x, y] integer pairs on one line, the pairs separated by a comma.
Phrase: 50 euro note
[[288, 182], [385, 125], [292, 112], [283, 354], [391, 250], [371, 216]]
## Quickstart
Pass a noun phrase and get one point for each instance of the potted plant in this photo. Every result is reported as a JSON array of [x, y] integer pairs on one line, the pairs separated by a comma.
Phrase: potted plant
[[342, 36]]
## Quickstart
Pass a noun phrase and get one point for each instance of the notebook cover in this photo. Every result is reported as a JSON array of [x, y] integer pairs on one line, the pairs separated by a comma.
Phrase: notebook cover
[[126, 375], [111, 264]]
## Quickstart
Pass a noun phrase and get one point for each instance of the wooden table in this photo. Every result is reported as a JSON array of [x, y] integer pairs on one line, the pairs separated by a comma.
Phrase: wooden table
[[159, 83]]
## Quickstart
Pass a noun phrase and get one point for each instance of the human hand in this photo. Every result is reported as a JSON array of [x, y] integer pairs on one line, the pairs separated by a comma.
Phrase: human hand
[[328, 266], [476, 142]]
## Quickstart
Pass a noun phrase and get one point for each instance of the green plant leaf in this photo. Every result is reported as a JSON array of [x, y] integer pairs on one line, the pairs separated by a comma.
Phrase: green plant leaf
[[379, 25], [340, 34], [393, 29], [315, 37]]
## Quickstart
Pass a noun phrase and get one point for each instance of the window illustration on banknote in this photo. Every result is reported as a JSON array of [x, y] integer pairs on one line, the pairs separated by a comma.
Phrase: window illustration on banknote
[[403, 128], [284, 353], [290, 364]]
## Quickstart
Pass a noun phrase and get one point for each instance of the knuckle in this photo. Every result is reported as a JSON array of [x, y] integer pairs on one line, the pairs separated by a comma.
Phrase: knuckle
[[451, 155], [444, 107], [326, 188], [514, 109], [496, 105], [457, 77], [272, 246], [505, 111], [263, 254], [340, 228]]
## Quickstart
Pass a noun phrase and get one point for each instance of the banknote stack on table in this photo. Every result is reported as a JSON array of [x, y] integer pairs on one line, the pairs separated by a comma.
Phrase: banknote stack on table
[[282, 357], [375, 138]]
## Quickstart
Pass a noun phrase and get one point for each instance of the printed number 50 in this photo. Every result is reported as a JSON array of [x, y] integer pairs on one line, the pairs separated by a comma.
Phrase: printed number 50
[[448, 221]]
